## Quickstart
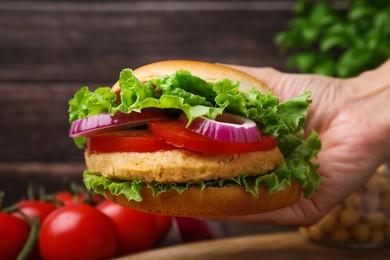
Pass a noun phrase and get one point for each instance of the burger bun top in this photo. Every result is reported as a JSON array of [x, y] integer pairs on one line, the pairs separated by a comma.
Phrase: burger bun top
[[209, 72]]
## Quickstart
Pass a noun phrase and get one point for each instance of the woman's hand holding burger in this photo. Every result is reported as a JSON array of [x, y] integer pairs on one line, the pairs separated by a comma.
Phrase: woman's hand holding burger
[[197, 139], [352, 117]]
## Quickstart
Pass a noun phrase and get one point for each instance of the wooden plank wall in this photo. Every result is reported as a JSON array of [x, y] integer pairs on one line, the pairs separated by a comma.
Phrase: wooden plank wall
[[49, 49]]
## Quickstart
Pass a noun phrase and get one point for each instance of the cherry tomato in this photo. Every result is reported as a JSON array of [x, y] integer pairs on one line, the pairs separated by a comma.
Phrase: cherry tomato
[[32, 208], [176, 134], [135, 230], [163, 225], [66, 197], [192, 229], [77, 231], [126, 141], [13, 234], [35, 208]]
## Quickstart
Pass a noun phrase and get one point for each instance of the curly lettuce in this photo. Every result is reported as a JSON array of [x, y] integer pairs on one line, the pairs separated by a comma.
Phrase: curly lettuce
[[196, 98]]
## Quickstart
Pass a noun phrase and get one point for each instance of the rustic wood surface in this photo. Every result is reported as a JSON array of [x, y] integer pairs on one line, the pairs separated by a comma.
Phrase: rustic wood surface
[[49, 49], [288, 245], [91, 42]]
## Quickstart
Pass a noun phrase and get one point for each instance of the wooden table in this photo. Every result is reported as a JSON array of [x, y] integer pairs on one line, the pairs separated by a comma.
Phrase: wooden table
[[287, 245]]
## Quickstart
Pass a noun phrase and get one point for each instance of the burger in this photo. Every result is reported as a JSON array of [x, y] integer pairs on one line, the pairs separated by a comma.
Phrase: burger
[[190, 138]]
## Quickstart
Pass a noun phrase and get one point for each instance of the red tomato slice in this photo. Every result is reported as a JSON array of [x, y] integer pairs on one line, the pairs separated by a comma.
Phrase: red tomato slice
[[176, 134], [140, 141]]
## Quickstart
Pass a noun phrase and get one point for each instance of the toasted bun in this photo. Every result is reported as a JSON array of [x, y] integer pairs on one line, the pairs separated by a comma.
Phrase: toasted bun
[[211, 202], [207, 71]]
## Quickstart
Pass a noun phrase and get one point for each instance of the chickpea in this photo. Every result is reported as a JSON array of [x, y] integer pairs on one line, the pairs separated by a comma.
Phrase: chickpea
[[372, 185], [376, 236], [360, 232], [349, 217], [353, 200], [304, 231], [376, 219], [383, 184], [316, 233], [371, 201], [382, 169], [336, 210], [327, 223], [339, 235]]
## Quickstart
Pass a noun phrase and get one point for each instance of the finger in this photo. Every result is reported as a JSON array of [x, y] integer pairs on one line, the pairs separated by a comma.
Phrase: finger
[[281, 217], [302, 213]]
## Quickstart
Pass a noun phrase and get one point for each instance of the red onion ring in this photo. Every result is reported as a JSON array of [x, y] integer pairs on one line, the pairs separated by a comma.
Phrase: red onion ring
[[226, 127], [105, 122]]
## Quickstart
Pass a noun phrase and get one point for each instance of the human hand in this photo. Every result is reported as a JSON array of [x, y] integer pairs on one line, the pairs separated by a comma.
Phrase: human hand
[[352, 117]]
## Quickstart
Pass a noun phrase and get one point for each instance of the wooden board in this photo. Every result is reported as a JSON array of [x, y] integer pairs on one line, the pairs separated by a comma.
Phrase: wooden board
[[15, 178], [91, 41], [34, 122], [291, 245]]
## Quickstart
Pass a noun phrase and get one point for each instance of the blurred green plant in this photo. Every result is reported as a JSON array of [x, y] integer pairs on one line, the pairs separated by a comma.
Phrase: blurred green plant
[[338, 41]]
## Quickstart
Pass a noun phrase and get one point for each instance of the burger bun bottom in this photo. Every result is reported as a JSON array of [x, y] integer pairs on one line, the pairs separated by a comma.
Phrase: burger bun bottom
[[211, 202]]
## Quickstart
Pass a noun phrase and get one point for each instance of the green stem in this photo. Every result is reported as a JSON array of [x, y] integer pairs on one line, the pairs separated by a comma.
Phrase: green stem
[[32, 237], [42, 193], [30, 192], [2, 194], [74, 188]]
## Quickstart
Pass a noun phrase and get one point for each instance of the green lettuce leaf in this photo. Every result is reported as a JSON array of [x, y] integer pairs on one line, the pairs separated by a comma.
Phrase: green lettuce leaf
[[195, 97], [87, 103], [297, 167], [299, 163]]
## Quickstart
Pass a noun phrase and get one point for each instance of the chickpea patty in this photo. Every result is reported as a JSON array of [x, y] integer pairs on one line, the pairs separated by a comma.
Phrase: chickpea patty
[[181, 165]]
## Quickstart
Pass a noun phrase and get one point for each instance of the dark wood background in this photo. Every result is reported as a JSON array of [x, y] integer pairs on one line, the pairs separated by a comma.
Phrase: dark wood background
[[49, 49]]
